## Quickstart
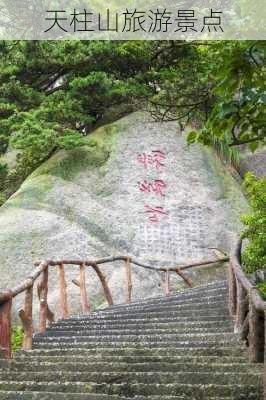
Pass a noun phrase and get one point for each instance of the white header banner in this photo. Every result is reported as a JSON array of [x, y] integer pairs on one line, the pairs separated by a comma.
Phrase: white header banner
[[133, 20]]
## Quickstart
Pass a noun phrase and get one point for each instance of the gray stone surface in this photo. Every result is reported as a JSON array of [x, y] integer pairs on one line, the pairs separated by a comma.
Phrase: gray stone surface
[[254, 162], [87, 203]]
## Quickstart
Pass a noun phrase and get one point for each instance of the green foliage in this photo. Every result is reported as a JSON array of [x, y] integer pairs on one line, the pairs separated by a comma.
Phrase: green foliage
[[261, 286], [239, 111], [192, 137], [254, 255], [17, 337], [219, 87], [221, 146], [3, 178], [53, 93]]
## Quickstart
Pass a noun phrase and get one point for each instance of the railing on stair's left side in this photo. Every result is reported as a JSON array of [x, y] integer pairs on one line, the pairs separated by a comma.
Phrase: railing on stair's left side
[[247, 308], [42, 272], [6, 297]]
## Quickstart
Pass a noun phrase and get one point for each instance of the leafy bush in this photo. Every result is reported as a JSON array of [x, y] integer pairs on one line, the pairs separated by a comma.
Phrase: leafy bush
[[17, 337], [262, 289], [254, 255]]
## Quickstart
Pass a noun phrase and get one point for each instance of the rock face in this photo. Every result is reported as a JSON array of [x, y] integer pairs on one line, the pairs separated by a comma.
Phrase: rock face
[[254, 162], [135, 189]]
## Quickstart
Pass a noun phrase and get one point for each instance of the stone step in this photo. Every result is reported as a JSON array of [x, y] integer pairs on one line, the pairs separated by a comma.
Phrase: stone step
[[188, 293], [198, 346], [135, 351], [171, 310], [237, 391], [147, 325], [158, 377], [177, 305], [210, 301], [70, 331], [154, 343], [115, 366], [185, 321], [200, 319], [92, 396], [186, 297], [65, 396], [88, 359], [173, 306], [191, 314], [179, 296], [166, 338], [212, 288]]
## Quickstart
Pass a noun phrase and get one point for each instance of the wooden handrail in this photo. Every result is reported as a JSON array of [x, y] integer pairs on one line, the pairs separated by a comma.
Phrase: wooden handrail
[[247, 307], [41, 273], [27, 283], [135, 262]]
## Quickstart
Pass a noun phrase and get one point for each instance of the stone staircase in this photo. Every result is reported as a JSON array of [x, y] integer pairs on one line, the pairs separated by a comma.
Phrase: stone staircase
[[177, 347]]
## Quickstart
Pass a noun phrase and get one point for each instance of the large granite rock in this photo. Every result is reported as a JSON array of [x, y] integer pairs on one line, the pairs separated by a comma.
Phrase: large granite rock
[[136, 189], [253, 162]]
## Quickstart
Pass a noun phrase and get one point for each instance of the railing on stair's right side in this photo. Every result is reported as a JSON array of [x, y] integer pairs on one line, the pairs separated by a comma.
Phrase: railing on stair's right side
[[247, 308]]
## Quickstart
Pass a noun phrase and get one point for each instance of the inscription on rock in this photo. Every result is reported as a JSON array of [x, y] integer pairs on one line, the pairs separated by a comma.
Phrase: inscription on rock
[[182, 238]]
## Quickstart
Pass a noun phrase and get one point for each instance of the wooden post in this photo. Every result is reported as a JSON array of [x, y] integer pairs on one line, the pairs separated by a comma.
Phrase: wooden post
[[43, 300], [163, 280], [185, 278], [63, 292], [128, 280], [83, 292], [49, 314], [106, 289], [241, 307], [5, 327], [245, 329], [256, 337], [232, 291], [26, 318], [167, 283]]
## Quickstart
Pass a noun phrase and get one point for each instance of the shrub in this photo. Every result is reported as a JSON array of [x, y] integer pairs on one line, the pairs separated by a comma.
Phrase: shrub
[[17, 337], [262, 289], [254, 255]]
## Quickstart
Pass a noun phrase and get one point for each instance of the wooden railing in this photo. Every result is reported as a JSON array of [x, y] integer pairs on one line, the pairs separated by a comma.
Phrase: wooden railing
[[247, 308], [40, 278]]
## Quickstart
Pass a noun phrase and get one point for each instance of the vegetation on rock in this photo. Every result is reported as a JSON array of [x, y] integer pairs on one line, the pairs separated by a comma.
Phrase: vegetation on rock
[[53, 94], [17, 337], [254, 255]]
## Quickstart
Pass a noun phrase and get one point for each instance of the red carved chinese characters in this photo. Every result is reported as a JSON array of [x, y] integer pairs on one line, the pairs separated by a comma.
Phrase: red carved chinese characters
[[155, 187], [155, 213], [153, 159]]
